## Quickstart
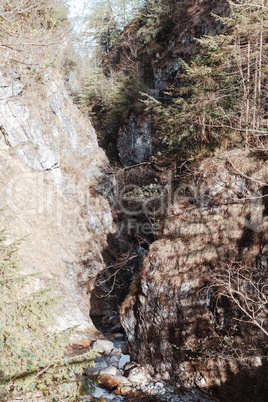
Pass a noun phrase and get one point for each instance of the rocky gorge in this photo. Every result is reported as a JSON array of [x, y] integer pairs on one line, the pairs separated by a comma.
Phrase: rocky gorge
[[148, 255]]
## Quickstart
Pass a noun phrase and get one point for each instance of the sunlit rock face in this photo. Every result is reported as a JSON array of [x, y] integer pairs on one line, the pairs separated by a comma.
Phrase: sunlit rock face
[[49, 167], [178, 327]]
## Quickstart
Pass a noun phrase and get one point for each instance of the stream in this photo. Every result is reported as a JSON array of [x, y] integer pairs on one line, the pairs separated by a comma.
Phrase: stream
[[104, 361], [124, 380]]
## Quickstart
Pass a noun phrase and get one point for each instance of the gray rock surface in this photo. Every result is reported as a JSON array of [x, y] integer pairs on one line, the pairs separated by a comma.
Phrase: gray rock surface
[[139, 375], [50, 165], [105, 346], [164, 77], [109, 370], [135, 141]]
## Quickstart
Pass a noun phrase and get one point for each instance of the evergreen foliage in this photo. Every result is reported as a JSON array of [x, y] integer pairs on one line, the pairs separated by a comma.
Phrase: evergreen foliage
[[33, 354], [105, 20], [224, 88], [156, 22], [221, 98]]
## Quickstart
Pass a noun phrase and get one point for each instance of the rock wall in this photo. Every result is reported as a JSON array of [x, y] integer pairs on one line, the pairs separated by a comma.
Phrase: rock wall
[[135, 141], [50, 164], [174, 319]]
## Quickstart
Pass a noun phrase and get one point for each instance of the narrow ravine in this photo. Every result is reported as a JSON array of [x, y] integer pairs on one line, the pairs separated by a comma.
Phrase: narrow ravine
[[138, 198], [121, 379]]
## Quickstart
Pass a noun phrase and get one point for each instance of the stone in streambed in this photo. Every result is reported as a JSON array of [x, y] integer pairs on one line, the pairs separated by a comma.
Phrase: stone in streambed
[[104, 346], [114, 320], [111, 318], [128, 367], [119, 336], [83, 343], [125, 390], [112, 381], [122, 362], [115, 359], [94, 370], [139, 375], [116, 352], [109, 371]]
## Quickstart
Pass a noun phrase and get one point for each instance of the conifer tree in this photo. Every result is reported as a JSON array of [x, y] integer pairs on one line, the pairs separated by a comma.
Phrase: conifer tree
[[106, 19], [225, 86], [34, 359]]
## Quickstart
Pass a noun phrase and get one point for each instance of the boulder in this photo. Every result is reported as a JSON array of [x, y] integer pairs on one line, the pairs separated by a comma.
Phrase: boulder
[[94, 370], [128, 367], [139, 375], [114, 320], [124, 359], [115, 359], [84, 343], [104, 346], [119, 336], [116, 352], [112, 381], [125, 390]]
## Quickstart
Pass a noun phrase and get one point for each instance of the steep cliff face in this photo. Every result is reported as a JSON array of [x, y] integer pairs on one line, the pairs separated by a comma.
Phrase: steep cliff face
[[50, 165], [179, 325]]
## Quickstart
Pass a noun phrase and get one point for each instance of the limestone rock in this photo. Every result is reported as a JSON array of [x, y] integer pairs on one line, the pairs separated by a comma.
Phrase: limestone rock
[[128, 367], [124, 391], [115, 359], [94, 370], [104, 346], [49, 164], [173, 309], [138, 374], [85, 343], [109, 371]]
